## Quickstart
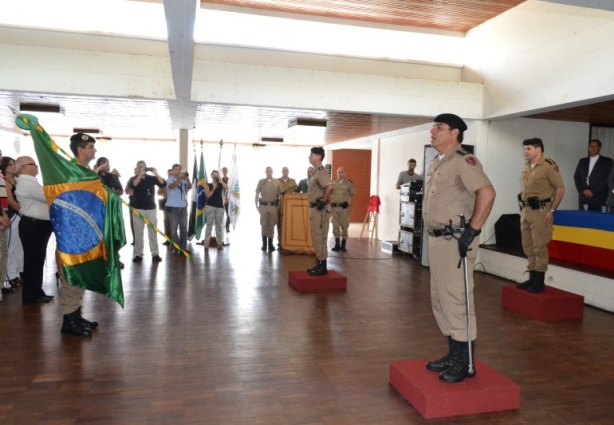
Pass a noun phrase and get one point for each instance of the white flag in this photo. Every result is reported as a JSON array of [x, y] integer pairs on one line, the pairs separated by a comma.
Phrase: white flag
[[234, 194]]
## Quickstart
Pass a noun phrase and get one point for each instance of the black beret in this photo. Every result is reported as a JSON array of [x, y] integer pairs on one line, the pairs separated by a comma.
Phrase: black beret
[[454, 121], [81, 138], [318, 151]]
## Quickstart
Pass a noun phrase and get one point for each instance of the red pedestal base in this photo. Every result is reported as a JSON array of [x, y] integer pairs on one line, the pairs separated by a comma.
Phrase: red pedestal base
[[552, 304], [487, 391], [303, 282]]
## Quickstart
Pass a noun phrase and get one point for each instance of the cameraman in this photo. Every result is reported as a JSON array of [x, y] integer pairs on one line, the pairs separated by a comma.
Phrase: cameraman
[[177, 187], [214, 209], [143, 200]]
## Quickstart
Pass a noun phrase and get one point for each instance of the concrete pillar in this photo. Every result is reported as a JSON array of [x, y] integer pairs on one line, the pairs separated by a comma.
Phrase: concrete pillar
[[184, 147]]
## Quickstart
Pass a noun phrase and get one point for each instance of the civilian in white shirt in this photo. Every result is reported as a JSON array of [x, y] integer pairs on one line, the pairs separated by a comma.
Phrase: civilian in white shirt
[[34, 230]]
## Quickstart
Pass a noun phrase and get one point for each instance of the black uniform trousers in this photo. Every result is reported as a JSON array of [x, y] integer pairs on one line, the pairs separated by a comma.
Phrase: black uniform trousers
[[34, 235]]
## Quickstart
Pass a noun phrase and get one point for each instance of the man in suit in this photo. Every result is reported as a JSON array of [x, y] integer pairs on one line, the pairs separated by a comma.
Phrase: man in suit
[[591, 177]]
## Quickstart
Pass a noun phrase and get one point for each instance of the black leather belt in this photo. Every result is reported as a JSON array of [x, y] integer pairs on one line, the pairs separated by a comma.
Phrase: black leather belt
[[24, 217], [535, 204], [444, 231], [340, 205], [266, 204], [313, 204]]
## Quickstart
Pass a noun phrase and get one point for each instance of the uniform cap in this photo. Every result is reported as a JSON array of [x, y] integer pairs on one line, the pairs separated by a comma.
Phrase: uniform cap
[[454, 121], [82, 138]]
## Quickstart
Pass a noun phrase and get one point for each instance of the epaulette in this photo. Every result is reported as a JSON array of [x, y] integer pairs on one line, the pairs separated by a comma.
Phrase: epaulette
[[550, 161], [350, 180], [320, 168], [462, 152]]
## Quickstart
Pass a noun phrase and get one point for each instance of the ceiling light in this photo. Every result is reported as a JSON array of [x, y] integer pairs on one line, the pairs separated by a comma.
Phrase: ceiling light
[[307, 122], [272, 139], [86, 130], [40, 107]]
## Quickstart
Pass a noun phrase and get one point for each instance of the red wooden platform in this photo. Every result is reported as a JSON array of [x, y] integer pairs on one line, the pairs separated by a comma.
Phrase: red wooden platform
[[552, 304], [303, 282], [487, 391]]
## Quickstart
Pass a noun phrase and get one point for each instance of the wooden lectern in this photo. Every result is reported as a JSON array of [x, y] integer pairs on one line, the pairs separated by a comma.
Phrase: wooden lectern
[[296, 230]]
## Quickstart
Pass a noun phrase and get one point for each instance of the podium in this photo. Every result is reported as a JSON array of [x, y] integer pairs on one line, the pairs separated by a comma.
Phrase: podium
[[295, 228]]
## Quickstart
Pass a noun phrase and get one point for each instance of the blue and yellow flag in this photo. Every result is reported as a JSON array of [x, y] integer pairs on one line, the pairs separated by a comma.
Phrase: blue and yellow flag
[[86, 217], [201, 197]]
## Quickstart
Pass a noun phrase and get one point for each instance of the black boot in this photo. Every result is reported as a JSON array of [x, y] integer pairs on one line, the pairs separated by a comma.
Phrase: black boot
[[444, 362], [264, 243], [87, 323], [271, 246], [315, 266], [538, 283], [459, 369], [320, 269], [529, 282], [337, 247], [343, 245], [71, 325]]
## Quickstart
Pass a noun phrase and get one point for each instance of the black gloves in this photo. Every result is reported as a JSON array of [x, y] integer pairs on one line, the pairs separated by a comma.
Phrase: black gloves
[[465, 240], [320, 204]]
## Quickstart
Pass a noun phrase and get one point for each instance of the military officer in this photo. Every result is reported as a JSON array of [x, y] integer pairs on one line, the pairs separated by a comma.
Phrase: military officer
[[542, 192], [457, 189], [267, 202], [318, 195], [288, 185], [342, 201]]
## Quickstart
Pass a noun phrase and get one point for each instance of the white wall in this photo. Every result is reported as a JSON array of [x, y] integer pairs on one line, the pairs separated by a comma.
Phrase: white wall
[[539, 56], [564, 142]]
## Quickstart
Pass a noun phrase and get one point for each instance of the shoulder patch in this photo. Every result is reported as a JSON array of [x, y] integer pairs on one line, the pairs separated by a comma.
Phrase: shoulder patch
[[350, 180], [462, 152], [556, 168], [470, 160], [550, 161]]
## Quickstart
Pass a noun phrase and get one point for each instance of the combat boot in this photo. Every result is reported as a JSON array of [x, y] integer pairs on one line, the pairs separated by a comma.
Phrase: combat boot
[[71, 325], [459, 369], [538, 283], [446, 361], [271, 246], [315, 265], [337, 247], [320, 269], [343, 245], [264, 243], [528, 282], [86, 323]]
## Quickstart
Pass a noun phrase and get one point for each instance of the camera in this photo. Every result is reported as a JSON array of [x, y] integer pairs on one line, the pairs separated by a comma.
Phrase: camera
[[186, 174], [149, 169], [216, 179]]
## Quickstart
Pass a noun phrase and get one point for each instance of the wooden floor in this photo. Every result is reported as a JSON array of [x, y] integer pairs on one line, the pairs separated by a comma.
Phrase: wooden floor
[[226, 340]]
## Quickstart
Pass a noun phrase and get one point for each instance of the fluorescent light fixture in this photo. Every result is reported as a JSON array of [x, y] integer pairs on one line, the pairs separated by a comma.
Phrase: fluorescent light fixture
[[272, 139], [40, 107], [86, 130], [307, 122]]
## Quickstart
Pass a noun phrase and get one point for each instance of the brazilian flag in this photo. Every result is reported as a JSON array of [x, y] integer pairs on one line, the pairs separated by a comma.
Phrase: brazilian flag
[[86, 217], [201, 197]]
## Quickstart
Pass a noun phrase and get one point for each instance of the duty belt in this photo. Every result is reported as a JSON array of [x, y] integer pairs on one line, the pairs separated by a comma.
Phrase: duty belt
[[444, 231], [340, 205], [533, 203], [276, 203]]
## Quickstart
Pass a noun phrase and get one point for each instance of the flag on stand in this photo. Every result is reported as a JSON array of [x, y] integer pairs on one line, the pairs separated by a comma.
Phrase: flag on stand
[[86, 217], [192, 222], [201, 197], [234, 194]]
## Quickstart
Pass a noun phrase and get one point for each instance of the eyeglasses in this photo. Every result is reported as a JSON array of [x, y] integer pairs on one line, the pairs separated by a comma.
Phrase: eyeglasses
[[25, 165]]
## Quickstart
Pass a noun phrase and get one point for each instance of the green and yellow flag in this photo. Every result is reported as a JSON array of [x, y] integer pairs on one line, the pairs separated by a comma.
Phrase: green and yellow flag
[[86, 217], [201, 197]]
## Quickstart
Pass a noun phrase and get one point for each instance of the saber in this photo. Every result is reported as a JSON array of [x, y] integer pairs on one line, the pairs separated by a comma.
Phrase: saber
[[467, 304]]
